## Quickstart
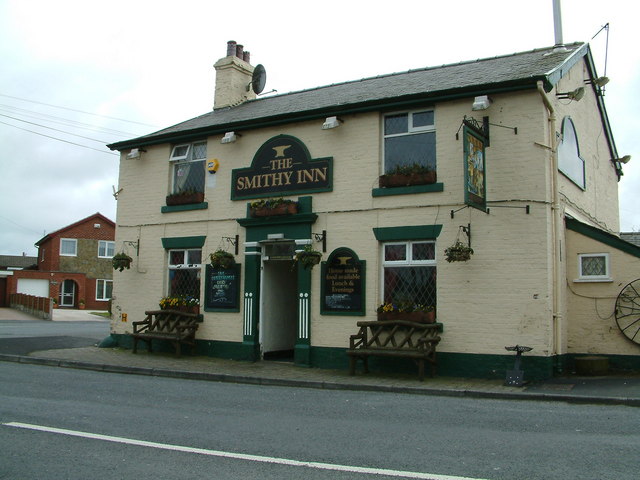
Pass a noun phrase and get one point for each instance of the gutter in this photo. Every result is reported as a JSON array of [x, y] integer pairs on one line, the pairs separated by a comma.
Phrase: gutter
[[556, 225]]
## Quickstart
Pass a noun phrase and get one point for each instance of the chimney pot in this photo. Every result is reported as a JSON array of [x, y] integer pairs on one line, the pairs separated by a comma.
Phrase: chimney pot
[[246, 56], [239, 51], [231, 48]]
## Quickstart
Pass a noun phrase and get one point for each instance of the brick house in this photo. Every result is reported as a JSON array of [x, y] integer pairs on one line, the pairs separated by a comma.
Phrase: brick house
[[512, 156], [73, 265]]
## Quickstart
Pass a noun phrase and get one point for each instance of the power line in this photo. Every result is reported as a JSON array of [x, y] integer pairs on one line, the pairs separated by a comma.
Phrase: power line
[[54, 129], [79, 111], [63, 121], [59, 139]]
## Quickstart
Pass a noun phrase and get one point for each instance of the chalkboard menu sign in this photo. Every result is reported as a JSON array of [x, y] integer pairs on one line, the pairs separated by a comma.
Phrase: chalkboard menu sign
[[343, 284], [222, 289]]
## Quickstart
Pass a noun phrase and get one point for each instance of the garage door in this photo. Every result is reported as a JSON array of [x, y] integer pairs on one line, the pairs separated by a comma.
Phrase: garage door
[[33, 286]]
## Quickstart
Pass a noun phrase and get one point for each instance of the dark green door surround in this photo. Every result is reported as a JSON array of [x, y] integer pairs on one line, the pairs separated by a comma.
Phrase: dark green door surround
[[295, 227]]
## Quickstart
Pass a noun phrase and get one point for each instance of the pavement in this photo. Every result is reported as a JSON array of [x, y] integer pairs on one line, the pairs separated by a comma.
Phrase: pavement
[[612, 389]]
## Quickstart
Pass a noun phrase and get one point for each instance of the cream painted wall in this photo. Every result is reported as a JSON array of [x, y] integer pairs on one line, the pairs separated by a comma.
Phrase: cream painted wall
[[597, 204], [591, 322], [501, 297]]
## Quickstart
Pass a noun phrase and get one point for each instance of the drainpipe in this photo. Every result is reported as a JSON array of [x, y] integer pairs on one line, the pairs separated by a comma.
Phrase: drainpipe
[[556, 224]]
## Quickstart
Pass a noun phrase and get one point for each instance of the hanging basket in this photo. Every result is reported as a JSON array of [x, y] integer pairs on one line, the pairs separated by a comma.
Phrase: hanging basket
[[121, 261], [222, 259], [458, 252], [308, 257]]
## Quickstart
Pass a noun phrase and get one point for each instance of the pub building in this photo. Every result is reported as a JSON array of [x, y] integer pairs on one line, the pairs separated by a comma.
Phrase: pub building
[[484, 191]]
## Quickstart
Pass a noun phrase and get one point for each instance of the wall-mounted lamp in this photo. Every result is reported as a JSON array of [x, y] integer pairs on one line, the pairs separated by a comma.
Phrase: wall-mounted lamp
[[598, 82], [230, 137], [331, 122], [481, 103], [576, 94], [135, 153], [624, 159]]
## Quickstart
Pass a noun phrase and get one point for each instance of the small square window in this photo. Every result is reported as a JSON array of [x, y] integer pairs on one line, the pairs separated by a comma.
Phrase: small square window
[[68, 247], [593, 267], [395, 252]]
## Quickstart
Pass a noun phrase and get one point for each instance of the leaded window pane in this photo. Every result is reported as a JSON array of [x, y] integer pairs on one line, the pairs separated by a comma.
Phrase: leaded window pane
[[594, 266], [194, 257], [407, 150], [410, 285], [188, 176], [184, 282], [394, 253], [199, 151], [423, 119], [423, 251], [394, 124], [177, 257]]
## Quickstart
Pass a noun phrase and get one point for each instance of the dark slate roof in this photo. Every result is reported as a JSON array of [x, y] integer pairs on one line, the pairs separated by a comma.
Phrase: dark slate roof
[[17, 261], [631, 237], [484, 76]]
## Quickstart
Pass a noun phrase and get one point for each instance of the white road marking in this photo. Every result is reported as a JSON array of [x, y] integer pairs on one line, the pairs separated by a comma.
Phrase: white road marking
[[238, 456]]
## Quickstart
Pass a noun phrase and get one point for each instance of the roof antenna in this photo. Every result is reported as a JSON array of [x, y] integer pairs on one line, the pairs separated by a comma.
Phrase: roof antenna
[[606, 52]]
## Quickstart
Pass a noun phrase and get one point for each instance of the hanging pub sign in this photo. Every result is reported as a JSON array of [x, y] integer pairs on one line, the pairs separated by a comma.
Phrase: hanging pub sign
[[343, 284], [282, 166], [222, 289], [475, 138]]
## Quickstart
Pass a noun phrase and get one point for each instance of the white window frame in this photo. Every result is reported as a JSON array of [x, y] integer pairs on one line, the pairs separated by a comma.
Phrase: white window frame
[[107, 244], [75, 247], [177, 161], [594, 278], [183, 266], [408, 262], [411, 130], [175, 158], [101, 284]]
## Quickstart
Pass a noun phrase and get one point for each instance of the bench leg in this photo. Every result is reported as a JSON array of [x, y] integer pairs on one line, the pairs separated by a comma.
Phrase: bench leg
[[353, 360], [421, 369]]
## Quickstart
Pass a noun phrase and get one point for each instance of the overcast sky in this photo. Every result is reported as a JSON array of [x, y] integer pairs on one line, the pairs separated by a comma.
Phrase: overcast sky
[[77, 75]]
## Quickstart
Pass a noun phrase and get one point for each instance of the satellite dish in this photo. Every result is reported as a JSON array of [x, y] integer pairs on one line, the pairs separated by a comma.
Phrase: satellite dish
[[259, 79]]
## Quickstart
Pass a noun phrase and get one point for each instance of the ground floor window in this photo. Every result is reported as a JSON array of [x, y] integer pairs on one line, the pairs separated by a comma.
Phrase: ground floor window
[[184, 273], [103, 289], [409, 273]]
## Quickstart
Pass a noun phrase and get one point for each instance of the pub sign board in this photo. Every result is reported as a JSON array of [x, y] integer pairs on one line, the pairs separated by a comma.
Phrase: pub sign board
[[282, 166], [475, 193], [343, 284], [222, 289]]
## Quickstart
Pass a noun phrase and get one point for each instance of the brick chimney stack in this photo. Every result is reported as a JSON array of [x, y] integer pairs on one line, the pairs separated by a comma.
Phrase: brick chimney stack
[[233, 76]]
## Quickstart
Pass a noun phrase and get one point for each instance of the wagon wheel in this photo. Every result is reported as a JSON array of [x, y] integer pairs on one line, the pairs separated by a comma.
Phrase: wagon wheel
[[628, 311]]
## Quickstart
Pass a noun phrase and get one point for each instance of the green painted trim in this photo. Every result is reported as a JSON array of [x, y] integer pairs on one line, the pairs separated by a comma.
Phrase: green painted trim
[[184, 208], [183, 242], [602, 236], [418, 232], [465, 365], [278, 220], [384, 192]]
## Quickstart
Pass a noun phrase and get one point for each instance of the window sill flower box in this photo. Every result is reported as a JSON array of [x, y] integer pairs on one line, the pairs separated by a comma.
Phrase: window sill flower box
[[185, 198], [404, 180], [410, 313], [273, 207]]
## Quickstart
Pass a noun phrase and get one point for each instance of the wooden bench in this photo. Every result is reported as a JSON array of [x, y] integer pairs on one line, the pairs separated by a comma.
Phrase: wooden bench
[[171, 325], [395, 338]]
